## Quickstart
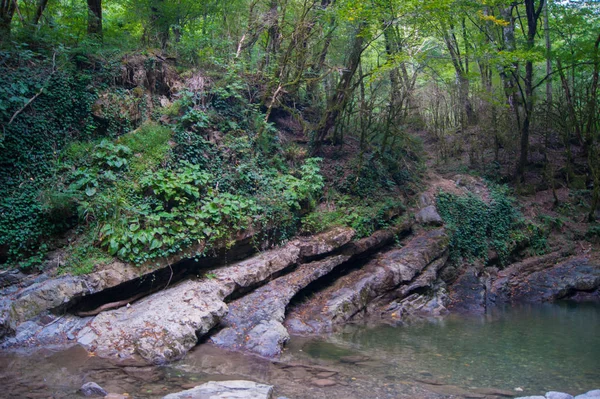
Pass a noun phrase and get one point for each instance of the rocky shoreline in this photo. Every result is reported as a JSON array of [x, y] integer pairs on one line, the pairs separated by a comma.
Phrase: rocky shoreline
[[310, 285]]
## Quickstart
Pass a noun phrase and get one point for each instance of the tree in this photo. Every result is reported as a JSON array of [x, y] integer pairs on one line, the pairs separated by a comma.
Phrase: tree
[[94, 21], [7, 10]]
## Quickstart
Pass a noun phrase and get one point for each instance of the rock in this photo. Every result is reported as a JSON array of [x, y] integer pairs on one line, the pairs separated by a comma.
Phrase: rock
[[468, 293], [495, 392], [164, 326], [326, 242], [429, 216], [322, 383], [92, 389], [531, 397], [326, 374], [558, 395], [353, 359], [595, 394], [350, 295], [116, 396], [254, 322], [546, 279], [455, 391], [226, 390], [11, 277]]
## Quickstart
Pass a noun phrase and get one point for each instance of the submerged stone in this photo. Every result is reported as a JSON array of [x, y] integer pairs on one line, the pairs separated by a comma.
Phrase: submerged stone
[[239, 389]]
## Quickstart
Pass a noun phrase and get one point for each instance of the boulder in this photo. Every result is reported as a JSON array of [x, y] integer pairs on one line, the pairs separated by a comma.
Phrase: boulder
[[595, 394], [429, 216], [558, 395], [92, 389], [239, 389]]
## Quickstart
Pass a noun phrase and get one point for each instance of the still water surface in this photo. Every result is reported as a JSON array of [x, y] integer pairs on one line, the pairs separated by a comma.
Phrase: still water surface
[[536, 349]]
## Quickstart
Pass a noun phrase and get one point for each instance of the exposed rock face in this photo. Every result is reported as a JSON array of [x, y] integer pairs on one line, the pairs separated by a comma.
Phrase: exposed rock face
[[164, 326], [540, 282], [254, 322], [226, 390], [468, 292], [51, 293], [352, 294]]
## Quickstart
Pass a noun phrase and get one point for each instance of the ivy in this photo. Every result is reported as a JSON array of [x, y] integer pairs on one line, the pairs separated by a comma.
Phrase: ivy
[[478, 226]]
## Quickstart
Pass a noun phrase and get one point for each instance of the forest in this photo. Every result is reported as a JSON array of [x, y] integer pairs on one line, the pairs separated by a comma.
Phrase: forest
[[303, 199], [142, 129]]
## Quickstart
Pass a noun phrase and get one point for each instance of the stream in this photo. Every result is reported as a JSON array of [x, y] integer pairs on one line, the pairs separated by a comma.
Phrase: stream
[[533, 349]]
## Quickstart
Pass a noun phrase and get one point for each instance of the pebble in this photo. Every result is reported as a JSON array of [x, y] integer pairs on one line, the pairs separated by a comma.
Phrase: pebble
[[323, 382], [326, 374]]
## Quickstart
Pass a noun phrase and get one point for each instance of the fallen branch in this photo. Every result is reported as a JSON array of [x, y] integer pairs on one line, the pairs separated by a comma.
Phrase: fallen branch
[[110, 305], [32, 99]]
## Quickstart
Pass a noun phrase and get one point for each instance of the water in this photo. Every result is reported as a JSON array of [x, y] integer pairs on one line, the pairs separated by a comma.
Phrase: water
[[537, 349]]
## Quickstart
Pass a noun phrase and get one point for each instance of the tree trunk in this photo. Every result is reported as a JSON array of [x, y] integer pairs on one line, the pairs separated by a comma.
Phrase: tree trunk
[[39, 11], [592, 134], [94, 27], [337, 102], [533, 15], [7, 10]]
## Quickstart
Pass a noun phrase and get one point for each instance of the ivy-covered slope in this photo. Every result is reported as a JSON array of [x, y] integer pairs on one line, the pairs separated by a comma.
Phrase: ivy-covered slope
[[105, 168]]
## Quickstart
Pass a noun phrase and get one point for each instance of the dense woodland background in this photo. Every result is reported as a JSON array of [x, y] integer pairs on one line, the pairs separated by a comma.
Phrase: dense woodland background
[[144, 128]]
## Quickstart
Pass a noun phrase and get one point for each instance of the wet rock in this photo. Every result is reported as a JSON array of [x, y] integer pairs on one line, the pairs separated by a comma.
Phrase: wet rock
[[468, 293], [558, 395], [353, 359], [226, 390], [495, 392], [546, 281], [92, 389], [455, 391], [352, 294], [429, 216], [322, 383]]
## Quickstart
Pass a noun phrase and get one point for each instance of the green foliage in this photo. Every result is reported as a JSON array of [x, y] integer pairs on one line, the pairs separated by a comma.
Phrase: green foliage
[[478, 226], [150, 146], [364, 219], [593, 233]]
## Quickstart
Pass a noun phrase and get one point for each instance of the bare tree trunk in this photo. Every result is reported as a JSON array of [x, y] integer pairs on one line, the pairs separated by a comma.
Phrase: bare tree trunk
[[94, 27]]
